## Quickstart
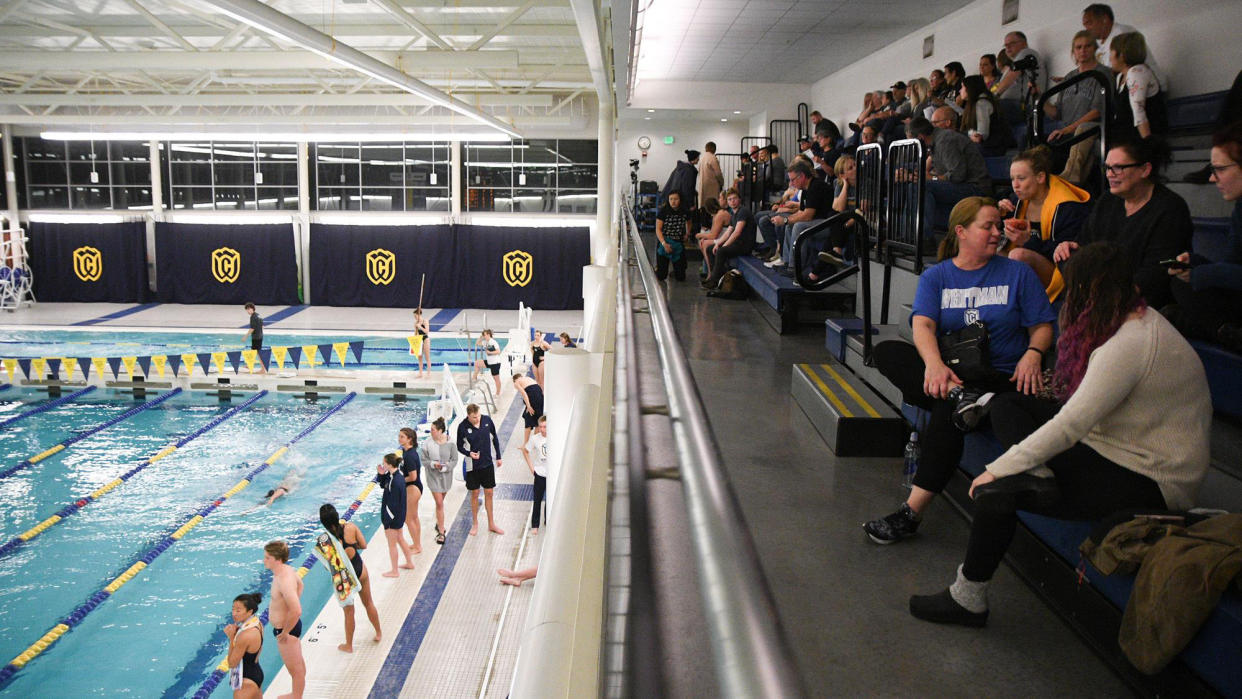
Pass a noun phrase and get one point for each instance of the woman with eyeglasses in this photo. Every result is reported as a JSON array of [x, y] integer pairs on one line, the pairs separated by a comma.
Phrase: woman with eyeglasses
[[1209, 293], [1146, 218]]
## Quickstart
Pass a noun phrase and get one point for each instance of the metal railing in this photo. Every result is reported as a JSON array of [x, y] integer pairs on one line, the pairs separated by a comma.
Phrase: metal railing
[[1036, 135], [870, 162], [751, 187], [749, 653]]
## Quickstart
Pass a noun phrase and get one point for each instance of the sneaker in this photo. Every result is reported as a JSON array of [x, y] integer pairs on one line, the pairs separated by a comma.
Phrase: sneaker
[[972, 407], [902, 524], [769, 263], [832, 258], [778, 262], [941, 608]]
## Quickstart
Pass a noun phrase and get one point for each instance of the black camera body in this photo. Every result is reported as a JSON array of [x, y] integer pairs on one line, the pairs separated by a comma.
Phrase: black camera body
[[1028, 63], [634, 163]]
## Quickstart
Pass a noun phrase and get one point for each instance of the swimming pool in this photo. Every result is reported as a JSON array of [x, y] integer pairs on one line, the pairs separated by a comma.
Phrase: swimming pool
[[160, 634], [379, 352]]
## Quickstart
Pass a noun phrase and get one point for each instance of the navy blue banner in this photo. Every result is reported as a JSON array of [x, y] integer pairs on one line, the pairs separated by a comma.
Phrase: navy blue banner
[[381, 265], [89, 261], [228, 264], [497, 266]]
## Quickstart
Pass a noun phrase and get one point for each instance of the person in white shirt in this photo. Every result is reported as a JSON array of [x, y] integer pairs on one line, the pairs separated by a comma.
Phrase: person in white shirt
[[535, 451], [491, 357], [1097, 18]]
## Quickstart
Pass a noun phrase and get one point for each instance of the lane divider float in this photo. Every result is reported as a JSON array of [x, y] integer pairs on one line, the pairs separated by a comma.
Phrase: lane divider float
[[75, 617], [47, 406], [222, 670], [83, 435], [78, 504]]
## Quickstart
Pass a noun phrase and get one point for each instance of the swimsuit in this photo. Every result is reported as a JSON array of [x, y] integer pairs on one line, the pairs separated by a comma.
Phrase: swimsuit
[[249, 668], [296, 631], [410, 456], [536, 355], [535, 395], [355, 559]]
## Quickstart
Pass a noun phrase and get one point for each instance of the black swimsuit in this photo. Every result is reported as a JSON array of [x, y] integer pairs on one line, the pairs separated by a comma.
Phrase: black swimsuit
[[536, 355], [355, 559], [410, 456], [296, 631], [250, 666]]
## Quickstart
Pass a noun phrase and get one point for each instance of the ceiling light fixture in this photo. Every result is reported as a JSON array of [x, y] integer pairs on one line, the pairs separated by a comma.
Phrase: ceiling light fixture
[[287, 137], [736, 111]]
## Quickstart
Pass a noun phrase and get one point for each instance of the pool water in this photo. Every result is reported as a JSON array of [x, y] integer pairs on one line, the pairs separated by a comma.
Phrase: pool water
[[161, 634], [378, 352]]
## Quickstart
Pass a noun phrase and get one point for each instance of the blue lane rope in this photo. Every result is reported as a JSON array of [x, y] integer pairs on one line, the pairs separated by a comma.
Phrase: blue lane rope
[[83, 610], [5, 386], [47, 406], [221, 671], [78, 504], [83, 435]]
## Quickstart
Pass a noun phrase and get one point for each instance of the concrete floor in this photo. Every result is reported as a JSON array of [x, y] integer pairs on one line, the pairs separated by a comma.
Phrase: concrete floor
[[843, 600]]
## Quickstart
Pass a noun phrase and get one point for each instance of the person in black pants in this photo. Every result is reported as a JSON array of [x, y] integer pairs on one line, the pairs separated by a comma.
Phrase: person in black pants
[[255, 333], [535, 451], [737, 240], [672, 228]]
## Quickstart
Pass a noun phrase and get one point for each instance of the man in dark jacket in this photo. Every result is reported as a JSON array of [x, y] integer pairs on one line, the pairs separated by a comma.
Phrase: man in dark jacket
[[684, 179]]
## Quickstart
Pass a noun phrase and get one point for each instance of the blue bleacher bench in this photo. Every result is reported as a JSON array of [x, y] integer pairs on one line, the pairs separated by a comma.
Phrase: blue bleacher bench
[[780, 292]]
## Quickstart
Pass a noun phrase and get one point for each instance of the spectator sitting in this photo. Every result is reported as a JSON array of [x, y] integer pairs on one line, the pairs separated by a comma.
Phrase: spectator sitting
[[936, 80], [981, 119], [845, 198], [1046, 210], [814, 207], [1098, 19], [1209, 294], [869, 134], [989, 70], [804, 146], [954, 73], [973, 284], [1031, 81], [711, 179], [768, 249], [738, 240], [955, 167], [758, 192], [718, 216], [1141, 108], [1109, 443], [826, 151], [1147, 219], [1079, 108], [921, 98]]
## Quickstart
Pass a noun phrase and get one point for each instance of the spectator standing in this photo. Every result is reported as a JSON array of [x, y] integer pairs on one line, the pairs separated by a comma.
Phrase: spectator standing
[[1098, 19], [1141, 108], [1079, 109], [1148, 220], [956, 169], [683, 180], [711, 179], [1010, 98], [535, 451], [739, 239], [672, 227], [476, 440], [981, 120], [1209, 293], [777, 179], [1031, 80]]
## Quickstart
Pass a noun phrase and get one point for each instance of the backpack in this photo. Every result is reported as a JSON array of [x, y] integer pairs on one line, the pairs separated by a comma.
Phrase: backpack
[[731, 286]]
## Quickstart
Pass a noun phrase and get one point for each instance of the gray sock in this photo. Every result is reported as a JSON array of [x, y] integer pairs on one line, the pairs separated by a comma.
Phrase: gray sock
[[973, 596]]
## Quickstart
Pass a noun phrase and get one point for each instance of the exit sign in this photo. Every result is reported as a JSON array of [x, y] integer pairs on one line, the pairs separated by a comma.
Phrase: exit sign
[[668, 140]]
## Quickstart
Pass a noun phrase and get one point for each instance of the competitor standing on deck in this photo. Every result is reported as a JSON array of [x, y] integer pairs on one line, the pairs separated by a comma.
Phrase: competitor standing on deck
[[491, 352], [423, 329], [476, 437], [285, 612], [411, 467], [392, 511], [255, 333], [535, 451], [532, 395]]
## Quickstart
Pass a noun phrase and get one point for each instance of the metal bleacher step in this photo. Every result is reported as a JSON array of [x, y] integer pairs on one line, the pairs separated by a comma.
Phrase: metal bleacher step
[[851, 418]]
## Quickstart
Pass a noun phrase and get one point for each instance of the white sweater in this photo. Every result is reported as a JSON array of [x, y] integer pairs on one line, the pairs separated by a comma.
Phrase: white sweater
[[1143, 403]]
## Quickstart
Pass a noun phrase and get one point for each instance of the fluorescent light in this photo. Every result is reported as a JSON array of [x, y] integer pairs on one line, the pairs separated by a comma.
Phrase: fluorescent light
[[232, 217], [723, 120], [79, 218], [737, 111], [651, 111], [292, 137]]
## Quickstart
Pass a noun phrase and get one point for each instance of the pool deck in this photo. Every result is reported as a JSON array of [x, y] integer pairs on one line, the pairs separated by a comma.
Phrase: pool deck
[[450, 629]]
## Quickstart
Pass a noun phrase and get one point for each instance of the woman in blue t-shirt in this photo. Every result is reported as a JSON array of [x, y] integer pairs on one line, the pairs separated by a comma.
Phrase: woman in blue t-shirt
[[971, 283]]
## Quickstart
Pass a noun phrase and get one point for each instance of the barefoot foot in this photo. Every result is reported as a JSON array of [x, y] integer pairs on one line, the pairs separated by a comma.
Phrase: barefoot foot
[[534, 531], [416, 551], [391, 574], [495, 529], [516, 582], [474, 530], [407, 566], [345, 648], [505, 573]]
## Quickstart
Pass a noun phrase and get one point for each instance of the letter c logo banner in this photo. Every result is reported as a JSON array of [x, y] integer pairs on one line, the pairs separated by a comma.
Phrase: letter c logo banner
[[517, 268], [225, 265], [381, 266], [88, 263]]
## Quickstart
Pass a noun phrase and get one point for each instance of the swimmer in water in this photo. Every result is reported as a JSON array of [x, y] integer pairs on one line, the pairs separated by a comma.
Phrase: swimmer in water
[[287, 485]]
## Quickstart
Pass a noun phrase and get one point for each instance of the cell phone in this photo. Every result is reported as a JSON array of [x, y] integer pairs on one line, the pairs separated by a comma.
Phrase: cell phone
[[1174, 264]]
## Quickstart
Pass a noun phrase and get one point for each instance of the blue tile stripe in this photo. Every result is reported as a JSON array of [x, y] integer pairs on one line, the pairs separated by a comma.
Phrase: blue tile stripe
[[119, 314], [442, 318], [409, 639]]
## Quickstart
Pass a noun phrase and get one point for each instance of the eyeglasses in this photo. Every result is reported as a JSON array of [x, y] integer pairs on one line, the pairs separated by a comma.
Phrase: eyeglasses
[[1217, 169], [1120, 168]]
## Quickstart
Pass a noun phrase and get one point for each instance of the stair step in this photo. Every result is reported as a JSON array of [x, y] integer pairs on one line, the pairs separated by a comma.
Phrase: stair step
[[851, 418]]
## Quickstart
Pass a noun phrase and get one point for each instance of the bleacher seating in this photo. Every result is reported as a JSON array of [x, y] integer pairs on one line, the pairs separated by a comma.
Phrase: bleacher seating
[[784, 296]]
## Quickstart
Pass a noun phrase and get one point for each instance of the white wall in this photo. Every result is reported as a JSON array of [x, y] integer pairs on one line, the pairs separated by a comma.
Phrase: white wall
[[661, 159], [777, 98], [1195, 42]]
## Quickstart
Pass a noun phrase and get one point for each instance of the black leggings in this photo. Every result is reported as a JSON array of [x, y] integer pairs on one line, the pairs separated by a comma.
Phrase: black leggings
[[541, 487], [941, 442], [1088, 486], [679, 268]]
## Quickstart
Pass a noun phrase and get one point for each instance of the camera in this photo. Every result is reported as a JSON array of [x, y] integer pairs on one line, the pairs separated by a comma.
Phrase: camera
[[1028, 63], [634, 163]]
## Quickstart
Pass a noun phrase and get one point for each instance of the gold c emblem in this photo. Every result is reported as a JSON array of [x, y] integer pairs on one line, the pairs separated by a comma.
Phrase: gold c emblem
[[517, 268], [381, 266], [87, 263], [225, 265]]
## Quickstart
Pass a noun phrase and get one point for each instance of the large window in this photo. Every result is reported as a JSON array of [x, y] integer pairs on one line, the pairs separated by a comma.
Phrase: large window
[[547, 175], [85, 174], [231, 175], [382, 176]]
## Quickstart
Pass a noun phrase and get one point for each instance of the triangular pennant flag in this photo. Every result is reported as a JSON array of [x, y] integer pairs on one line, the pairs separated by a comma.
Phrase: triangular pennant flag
[[68, 363], [219, 358], [188, 360], [37, 365], [53, 367], [159, 360], [339, 349], [114, 363], [101, 366], [295, 356], [279, 353], [249, 356], [174, 363], [25, 366], [10, 367], [145, 364], [129, 363], [84, 363], [204, 360], [234, 359], [356, 348], [265, 356], [308, 353], [325, 351]]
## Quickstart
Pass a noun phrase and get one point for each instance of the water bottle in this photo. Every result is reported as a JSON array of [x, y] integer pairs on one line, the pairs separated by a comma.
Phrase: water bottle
[[911, 460]]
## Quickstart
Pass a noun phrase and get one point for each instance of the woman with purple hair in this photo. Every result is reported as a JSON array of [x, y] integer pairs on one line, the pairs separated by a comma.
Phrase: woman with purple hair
[[1109, 441]]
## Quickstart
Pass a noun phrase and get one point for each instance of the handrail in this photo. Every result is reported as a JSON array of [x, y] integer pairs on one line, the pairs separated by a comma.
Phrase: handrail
[[751, 655], [804, 238], [1037, 135]]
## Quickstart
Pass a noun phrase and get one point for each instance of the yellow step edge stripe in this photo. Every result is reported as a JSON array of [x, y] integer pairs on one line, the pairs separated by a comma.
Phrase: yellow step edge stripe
[[279, 453], [850, 390], [38, 528], [125, 577], [823, 387], [185, 528], [162, 453], [40, 645], [39, 457]]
